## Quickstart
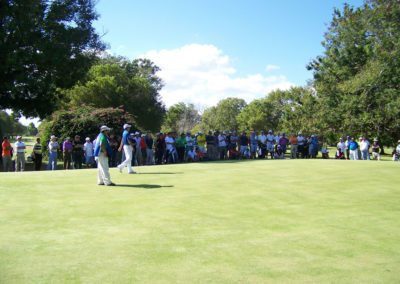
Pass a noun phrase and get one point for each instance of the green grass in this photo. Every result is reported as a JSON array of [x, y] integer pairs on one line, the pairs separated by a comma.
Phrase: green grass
[[292, 221]]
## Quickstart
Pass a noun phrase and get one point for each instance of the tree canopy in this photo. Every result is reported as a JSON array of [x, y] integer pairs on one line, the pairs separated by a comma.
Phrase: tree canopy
[[45, 45], [117, 82]]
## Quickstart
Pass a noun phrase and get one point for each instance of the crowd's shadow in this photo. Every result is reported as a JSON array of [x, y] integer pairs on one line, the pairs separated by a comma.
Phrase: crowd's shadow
[[143, 185], [160, 173]]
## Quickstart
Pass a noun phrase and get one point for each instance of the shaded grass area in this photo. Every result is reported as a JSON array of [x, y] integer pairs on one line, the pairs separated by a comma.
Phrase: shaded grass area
[[224, 222]]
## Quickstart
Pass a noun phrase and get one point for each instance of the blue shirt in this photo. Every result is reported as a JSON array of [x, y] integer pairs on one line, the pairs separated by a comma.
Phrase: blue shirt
[[125, 137]]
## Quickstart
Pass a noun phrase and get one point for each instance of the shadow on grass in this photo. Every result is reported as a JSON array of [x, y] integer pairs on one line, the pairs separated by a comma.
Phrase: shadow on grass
[[143, 185], [160, 173]]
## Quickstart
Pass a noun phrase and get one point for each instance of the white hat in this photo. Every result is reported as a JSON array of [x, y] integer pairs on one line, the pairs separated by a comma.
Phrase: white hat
[[19, 137], [104, 128], [137, 133], [127, 126], [87, 139], [53, 137]]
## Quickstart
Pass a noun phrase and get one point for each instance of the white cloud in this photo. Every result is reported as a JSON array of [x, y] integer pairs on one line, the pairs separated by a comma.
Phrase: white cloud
[[271, 67], [203, 75]]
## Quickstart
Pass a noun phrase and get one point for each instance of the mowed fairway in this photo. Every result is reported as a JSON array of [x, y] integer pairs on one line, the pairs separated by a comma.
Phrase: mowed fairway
[[227, 222]]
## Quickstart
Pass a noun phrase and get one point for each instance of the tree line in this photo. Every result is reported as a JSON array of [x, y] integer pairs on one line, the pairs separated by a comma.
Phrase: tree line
[[53, 66]]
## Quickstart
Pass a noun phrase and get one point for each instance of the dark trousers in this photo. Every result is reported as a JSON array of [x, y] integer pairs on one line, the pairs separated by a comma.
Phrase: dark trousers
[[77, 158], [38, 162]]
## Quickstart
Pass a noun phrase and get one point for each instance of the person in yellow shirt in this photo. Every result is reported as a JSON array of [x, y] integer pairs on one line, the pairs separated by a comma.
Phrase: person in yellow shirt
[[201, 142]]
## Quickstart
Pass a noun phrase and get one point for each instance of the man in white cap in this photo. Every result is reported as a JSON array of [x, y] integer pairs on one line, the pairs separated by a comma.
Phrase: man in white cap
[[88, 152], [53, 150], [126, 145], [101, 152], [20, 149]]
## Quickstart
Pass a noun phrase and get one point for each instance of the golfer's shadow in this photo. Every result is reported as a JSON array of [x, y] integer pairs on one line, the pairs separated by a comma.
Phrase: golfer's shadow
[[143, 185]]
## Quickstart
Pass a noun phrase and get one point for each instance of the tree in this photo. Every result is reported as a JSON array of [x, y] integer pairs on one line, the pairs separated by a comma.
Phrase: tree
[[84, 121], [180, 118], [358, 77], [9, 125], [224, 115], [117, 82], [45, 45], [31, 129]]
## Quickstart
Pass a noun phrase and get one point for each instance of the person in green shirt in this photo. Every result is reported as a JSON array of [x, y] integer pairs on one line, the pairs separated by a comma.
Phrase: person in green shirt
[[102, 152], [180, 144]]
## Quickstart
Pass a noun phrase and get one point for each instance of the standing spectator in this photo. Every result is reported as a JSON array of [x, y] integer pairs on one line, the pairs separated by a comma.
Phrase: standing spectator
[[180, 144], [20, 148], [143, 149], [314, 145], [293, 146], [102, 152], [67, 153], [126, 146], [37, 154], [347, 143], [189, 144], [160, 148], [233, 142], [341, 145], [6, 154], [171, 155], [253, 144], [77, 152], [211, 146], [300, 145], [244, 144], [53, 152], [262, 145], [201, 142], [149, 150], [88, 149], [376, 148], [222, 146], [270, 143], [364, 148], [353, 149], [114, 144], [283, 141], [138, 153]]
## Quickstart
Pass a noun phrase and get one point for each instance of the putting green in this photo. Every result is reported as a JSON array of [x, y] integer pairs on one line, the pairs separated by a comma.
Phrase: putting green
[[224, 222]]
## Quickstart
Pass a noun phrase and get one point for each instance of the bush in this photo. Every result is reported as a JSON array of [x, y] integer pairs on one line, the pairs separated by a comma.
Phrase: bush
[[84, 121]]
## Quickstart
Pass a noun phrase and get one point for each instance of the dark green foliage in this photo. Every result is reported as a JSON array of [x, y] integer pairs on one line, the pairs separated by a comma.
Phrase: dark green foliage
[[223, 116], [116, 82], [9, 125], [44, 45], [84, 121], [358, 77]]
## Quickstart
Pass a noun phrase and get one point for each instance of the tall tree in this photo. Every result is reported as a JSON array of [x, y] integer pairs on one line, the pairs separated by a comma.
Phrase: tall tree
[[224, 115], [358, 77], [117, 82], [181, 117], [44, 45]]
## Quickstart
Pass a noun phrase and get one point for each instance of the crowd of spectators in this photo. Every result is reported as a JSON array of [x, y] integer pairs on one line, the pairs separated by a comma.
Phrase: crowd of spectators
[[171, 147]]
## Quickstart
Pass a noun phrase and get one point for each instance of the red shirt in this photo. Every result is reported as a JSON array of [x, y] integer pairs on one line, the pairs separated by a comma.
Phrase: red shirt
[[6, 149]]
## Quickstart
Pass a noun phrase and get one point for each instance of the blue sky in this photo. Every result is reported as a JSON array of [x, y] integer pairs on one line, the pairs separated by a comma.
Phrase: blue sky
[[210, 50]]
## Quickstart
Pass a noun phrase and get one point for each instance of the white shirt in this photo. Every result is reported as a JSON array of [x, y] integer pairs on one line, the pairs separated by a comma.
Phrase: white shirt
[[300, 140], [88, 148], [20, 147], [364, 145], [189, 141], [262, 138], [341, 146], [53, 146], [169, 141]]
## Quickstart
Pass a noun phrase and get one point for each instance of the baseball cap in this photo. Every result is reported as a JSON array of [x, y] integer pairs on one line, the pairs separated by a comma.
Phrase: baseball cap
[[87, 139], [137, 133], [127, 126], [19, 137], [104, 128]]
